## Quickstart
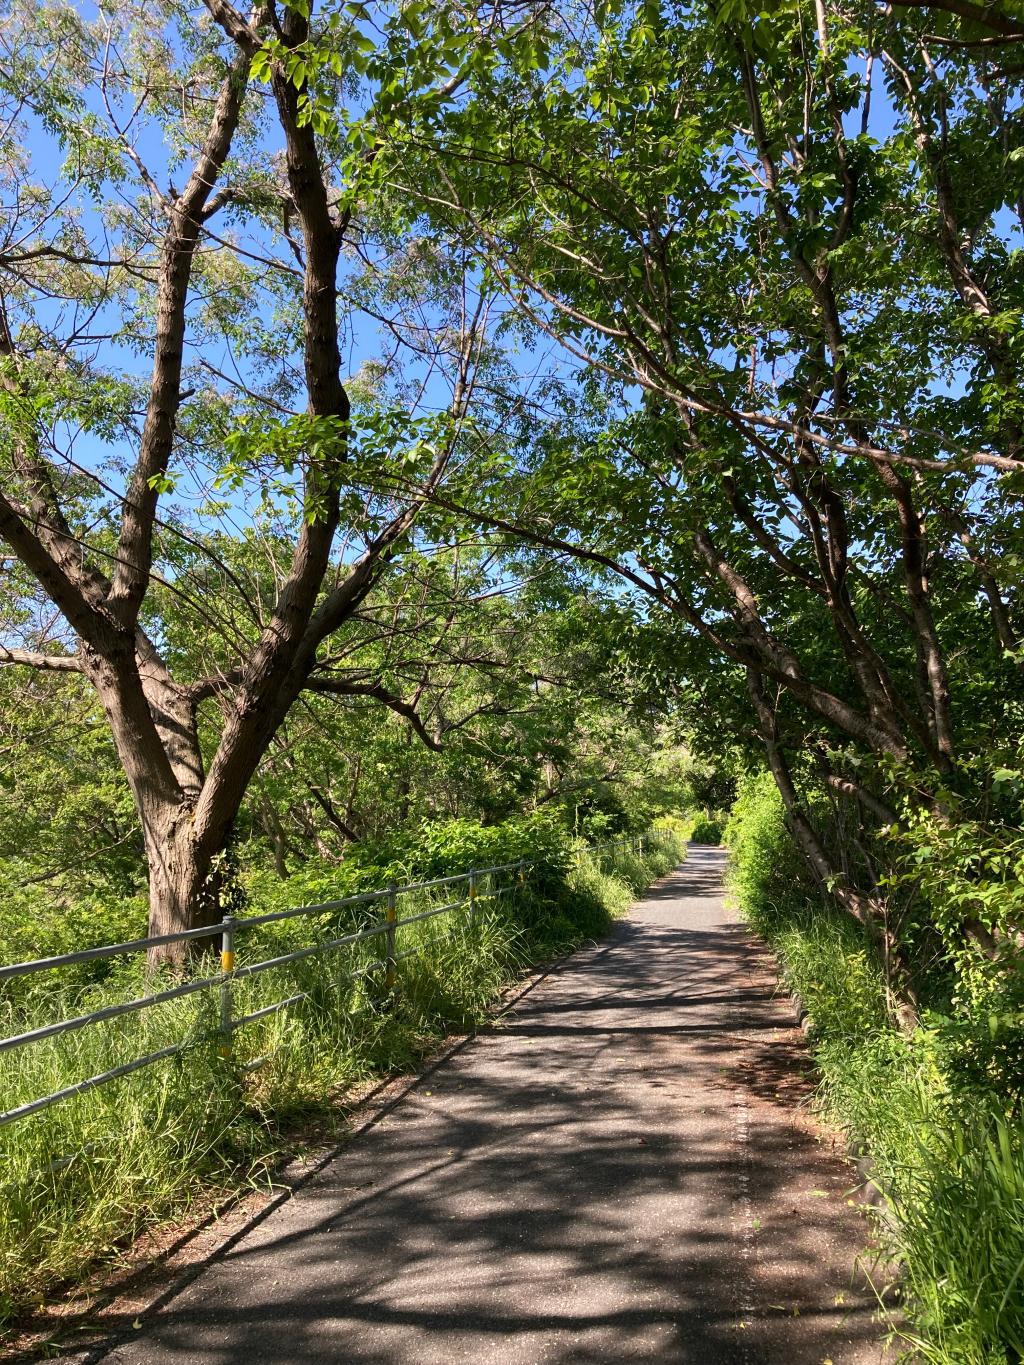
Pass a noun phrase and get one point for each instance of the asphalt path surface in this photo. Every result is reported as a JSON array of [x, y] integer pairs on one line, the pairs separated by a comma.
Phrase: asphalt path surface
[[622, 1168]]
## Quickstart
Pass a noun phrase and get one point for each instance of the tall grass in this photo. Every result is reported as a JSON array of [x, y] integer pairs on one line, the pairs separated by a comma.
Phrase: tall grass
[[948, 1154], [81, 1178], [960, 1211]]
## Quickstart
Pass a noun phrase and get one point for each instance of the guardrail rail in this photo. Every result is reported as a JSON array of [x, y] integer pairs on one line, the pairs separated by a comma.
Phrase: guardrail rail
[[479, 884]]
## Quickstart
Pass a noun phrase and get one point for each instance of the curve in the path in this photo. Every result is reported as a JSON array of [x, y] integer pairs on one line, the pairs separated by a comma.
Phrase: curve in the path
[[619, 1170]]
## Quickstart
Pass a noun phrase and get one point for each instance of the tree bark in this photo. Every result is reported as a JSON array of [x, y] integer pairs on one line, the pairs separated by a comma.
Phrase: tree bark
[[180, 896]]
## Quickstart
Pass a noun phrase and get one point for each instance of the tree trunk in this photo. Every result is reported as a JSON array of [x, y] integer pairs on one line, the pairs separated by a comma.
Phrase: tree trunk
[[866, 909], [180, 894], [275, 833]]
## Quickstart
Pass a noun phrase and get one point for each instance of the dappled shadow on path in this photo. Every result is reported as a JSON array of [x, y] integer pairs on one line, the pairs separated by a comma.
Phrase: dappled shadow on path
[[607, 1174]]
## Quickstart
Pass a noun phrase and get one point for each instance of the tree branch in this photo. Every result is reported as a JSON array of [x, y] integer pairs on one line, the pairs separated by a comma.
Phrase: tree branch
[[135, 547], [378, 692], [986, 15], [55, 663]]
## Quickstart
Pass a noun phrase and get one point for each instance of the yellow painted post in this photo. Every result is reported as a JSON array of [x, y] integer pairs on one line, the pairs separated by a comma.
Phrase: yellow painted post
[[390, 916], [227, 967], [472, 897]]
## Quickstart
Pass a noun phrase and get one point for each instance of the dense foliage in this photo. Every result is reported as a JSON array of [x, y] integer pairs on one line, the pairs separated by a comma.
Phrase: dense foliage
[[416, 417], [524, 709], [941, 1135], [792, 285]]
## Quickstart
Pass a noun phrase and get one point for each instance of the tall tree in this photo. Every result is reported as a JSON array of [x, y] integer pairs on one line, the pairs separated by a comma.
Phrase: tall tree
[[186, 243], [782, 242]]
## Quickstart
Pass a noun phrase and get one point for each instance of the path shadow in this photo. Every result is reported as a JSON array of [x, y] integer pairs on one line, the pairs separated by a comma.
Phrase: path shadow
[[605, 1175]]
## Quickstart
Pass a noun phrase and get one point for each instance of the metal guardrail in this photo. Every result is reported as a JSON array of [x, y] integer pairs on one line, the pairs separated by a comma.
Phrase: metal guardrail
[[227, 930]]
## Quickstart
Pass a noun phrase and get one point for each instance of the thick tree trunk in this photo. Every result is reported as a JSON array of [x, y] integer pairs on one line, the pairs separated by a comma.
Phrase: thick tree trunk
[[180, 893]]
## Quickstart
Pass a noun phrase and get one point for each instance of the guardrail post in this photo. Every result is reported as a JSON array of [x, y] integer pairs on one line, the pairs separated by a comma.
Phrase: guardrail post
[[472, 896], [390, 916], [227, 967], [521, 877]]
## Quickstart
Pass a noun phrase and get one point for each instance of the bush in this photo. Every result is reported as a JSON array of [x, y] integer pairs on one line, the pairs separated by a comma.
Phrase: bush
[[707, 829]]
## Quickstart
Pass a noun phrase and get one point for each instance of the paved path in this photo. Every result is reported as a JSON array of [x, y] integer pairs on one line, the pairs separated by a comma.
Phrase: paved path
[[618, 1171]]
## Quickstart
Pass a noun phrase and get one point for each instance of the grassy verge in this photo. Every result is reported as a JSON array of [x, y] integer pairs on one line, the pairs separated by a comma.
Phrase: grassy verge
[[946, 1147], [81, 1178]]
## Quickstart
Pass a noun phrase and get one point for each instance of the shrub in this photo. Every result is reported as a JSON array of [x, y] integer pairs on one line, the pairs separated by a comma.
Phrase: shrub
[[707, 829]]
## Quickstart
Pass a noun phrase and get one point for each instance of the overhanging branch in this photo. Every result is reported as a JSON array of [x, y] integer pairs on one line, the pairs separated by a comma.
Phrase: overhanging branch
[[377, 692], [52, 663]]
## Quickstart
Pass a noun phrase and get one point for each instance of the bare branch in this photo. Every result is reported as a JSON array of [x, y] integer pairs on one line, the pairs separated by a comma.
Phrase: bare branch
[[55, 663]]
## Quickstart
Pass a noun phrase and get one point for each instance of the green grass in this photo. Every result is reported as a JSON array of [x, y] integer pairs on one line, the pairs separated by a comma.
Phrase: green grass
[[80, 1179], [959, 1202], [945, 1141]]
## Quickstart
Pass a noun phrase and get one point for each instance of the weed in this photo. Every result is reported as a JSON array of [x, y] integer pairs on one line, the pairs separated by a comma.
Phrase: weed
[[945, 1141]]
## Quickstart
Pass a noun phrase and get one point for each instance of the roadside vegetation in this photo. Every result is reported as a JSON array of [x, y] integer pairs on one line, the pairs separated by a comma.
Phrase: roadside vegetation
[[934, 1105], [81, 1178], [426, 415]]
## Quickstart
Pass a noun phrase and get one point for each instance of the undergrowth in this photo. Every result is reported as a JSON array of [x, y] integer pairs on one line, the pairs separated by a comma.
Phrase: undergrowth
[[80, 1179], [944, 1137]]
